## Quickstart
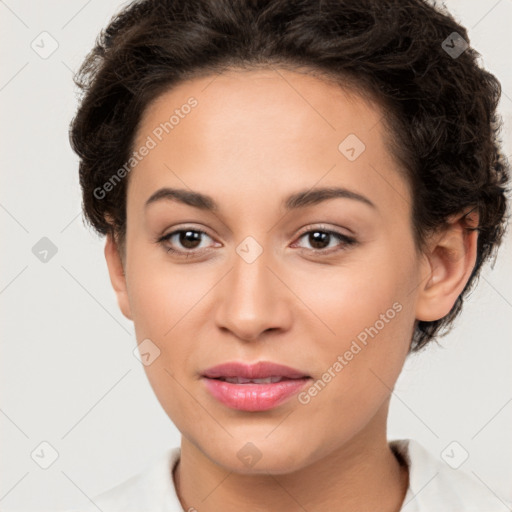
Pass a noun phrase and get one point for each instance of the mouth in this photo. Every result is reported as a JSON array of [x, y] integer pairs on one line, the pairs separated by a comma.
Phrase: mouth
[[267, 380], [256, 387]]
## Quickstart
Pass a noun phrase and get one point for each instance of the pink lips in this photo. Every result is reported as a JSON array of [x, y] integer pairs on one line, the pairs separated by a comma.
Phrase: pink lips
[[253, 396], [259, 370]]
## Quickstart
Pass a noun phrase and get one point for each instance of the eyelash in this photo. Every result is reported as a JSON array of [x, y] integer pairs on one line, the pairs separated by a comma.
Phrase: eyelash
[[346, 242]]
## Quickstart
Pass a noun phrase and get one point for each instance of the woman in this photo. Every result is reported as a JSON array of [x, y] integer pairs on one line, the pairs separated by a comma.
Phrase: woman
[[295, 196]]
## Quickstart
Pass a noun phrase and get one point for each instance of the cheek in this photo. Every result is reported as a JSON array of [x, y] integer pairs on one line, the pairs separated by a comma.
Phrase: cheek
[[161, 293], [162, 303], [368, 309], [352, 297], [358, 366]]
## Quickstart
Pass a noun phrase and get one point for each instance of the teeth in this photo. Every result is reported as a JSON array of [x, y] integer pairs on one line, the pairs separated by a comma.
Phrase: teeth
[[243, 380]]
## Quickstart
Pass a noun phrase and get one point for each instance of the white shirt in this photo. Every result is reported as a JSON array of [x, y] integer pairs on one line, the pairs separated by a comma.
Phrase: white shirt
[[433, 487]]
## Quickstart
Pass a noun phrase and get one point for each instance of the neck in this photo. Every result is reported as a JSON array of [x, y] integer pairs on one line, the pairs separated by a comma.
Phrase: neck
[[361, 475]]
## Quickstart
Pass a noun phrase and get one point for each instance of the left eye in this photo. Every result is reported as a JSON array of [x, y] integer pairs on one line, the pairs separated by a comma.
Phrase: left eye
[[320, 239]]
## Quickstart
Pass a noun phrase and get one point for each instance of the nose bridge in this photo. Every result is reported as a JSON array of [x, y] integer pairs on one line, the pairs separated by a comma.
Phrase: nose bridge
[[251, 296], [250, 274]]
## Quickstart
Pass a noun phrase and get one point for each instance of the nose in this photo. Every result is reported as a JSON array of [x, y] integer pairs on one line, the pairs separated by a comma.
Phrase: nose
[[253, 298]]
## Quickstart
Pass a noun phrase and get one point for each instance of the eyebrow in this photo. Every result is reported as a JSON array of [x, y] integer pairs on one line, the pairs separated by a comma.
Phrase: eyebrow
[[295, 201]]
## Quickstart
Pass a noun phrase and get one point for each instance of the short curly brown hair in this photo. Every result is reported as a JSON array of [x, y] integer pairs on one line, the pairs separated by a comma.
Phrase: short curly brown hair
[[412, 57]]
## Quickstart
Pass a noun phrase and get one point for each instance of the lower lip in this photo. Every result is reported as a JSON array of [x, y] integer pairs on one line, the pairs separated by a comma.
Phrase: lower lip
[[254, 397]]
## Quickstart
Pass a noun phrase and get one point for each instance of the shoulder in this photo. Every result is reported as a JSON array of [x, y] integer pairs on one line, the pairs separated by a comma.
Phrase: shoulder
[[152, 489], [434, 485]]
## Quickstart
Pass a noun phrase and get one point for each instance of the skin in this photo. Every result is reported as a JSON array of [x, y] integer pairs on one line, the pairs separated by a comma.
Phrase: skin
[[252, 140]]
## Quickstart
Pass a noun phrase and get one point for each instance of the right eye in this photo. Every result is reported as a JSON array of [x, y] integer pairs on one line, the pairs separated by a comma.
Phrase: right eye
[[188, 238]]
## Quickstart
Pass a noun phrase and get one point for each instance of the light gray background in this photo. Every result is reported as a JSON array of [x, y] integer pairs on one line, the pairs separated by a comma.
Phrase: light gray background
[[69, 376]]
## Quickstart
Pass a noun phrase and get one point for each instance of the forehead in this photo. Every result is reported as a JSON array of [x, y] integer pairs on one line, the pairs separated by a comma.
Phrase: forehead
[[248, 129], [292, 99]]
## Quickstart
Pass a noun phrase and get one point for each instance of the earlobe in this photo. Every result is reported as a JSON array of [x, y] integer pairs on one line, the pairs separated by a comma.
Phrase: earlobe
[[448, 265], [117, 275]]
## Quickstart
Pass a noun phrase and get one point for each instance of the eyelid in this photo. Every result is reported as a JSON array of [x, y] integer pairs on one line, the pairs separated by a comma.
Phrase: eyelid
[[185, 227], [324, 227]]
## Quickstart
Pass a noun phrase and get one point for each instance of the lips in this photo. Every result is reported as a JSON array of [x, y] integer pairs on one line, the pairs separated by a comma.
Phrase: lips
[[263, 372], [257, 387]]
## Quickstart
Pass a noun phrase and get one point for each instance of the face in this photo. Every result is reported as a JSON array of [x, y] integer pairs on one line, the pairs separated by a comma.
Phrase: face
[[324, 284]]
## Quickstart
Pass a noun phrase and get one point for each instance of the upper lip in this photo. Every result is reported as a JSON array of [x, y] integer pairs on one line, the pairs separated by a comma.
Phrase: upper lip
[[259, 370]]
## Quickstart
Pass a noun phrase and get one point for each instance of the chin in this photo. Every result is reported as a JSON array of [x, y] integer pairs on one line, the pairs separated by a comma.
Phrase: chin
[[253, 458]]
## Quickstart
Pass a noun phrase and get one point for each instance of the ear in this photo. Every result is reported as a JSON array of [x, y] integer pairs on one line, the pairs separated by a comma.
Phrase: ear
[[117, 275], [447, 265]]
